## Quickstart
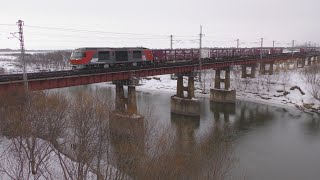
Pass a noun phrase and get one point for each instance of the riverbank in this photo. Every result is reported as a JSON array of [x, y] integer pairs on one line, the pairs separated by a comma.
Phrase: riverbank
[[284, 90]]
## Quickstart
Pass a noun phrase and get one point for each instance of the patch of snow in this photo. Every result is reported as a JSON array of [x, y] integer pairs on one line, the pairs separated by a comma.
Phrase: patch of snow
[[15, 163], [262, 89]]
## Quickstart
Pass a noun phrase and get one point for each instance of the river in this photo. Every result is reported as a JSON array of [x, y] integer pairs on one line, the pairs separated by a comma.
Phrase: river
[[270, 142]]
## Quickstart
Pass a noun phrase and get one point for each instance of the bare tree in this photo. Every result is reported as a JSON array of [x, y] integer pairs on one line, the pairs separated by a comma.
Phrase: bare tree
[[206, 80], [269, 80], [311, 75], [28, 122], [89, 141], [285, 79]]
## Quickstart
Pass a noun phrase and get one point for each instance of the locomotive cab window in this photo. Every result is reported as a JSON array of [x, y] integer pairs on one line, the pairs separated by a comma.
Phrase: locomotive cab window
[[104, 55], [121, 55], [136, 55], [77, 55]]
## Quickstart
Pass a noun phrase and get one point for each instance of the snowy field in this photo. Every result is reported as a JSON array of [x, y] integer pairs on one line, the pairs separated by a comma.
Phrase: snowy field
[[10, 63]]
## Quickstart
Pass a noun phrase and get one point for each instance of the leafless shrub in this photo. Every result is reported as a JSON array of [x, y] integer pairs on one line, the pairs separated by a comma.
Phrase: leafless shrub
[[206, 80], [285, 79], [28, 118], [237, 80], [311, 75], [268, 80]]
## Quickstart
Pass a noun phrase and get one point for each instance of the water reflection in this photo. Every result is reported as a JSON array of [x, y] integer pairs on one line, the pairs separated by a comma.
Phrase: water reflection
[[185, 130], [312, 126], [225, 109], [271, 142], [241, 116], [127, 141]]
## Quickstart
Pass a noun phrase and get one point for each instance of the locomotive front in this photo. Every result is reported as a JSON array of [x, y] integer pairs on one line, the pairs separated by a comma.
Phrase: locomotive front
[[78, 59]]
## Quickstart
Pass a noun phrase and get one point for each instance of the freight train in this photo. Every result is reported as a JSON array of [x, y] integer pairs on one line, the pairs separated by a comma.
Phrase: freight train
[[87, 58]]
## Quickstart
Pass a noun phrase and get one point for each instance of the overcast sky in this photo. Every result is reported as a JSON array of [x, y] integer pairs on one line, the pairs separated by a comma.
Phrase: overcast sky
[[150, 23]]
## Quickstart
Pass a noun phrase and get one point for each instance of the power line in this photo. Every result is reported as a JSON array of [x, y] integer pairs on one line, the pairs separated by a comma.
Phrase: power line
[[7, 24], [238, 43], [90, 36], [92, 31]]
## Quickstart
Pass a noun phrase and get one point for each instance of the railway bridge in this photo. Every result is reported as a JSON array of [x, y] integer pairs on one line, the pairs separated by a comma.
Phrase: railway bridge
[[180, 104]]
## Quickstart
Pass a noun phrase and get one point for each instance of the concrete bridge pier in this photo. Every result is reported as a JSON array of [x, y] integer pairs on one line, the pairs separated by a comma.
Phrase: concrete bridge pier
[[266, 68], [301, 62], [132, 100], [286, 65], [278, 65], [290, 64], [125, 120], [185, 105], [281, 65], [126, 127], [309, 61], [315, 60], [293, 64], [125, 105], [120, 100], [224, 95], [318, 59], [248, 71]]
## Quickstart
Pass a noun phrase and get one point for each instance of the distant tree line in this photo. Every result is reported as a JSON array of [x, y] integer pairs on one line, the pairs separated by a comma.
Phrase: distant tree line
[[58, 60]]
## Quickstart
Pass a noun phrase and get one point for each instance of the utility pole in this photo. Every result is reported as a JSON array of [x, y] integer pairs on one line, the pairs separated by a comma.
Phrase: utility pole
[[237, 43], [292, 47], [200, 50], [273, 44], [21, 39], [261, 48], [309, 43], [171, 39]]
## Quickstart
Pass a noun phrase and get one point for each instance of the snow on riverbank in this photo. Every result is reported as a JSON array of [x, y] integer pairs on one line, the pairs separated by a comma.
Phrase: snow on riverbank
[[281, 89]]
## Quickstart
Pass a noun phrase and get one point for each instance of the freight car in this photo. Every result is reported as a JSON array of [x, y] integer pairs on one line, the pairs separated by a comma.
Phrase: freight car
[[173, 55]]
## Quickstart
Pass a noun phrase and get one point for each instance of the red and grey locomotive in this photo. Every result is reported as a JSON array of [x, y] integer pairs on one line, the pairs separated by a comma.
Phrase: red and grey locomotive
[[108, 57]]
